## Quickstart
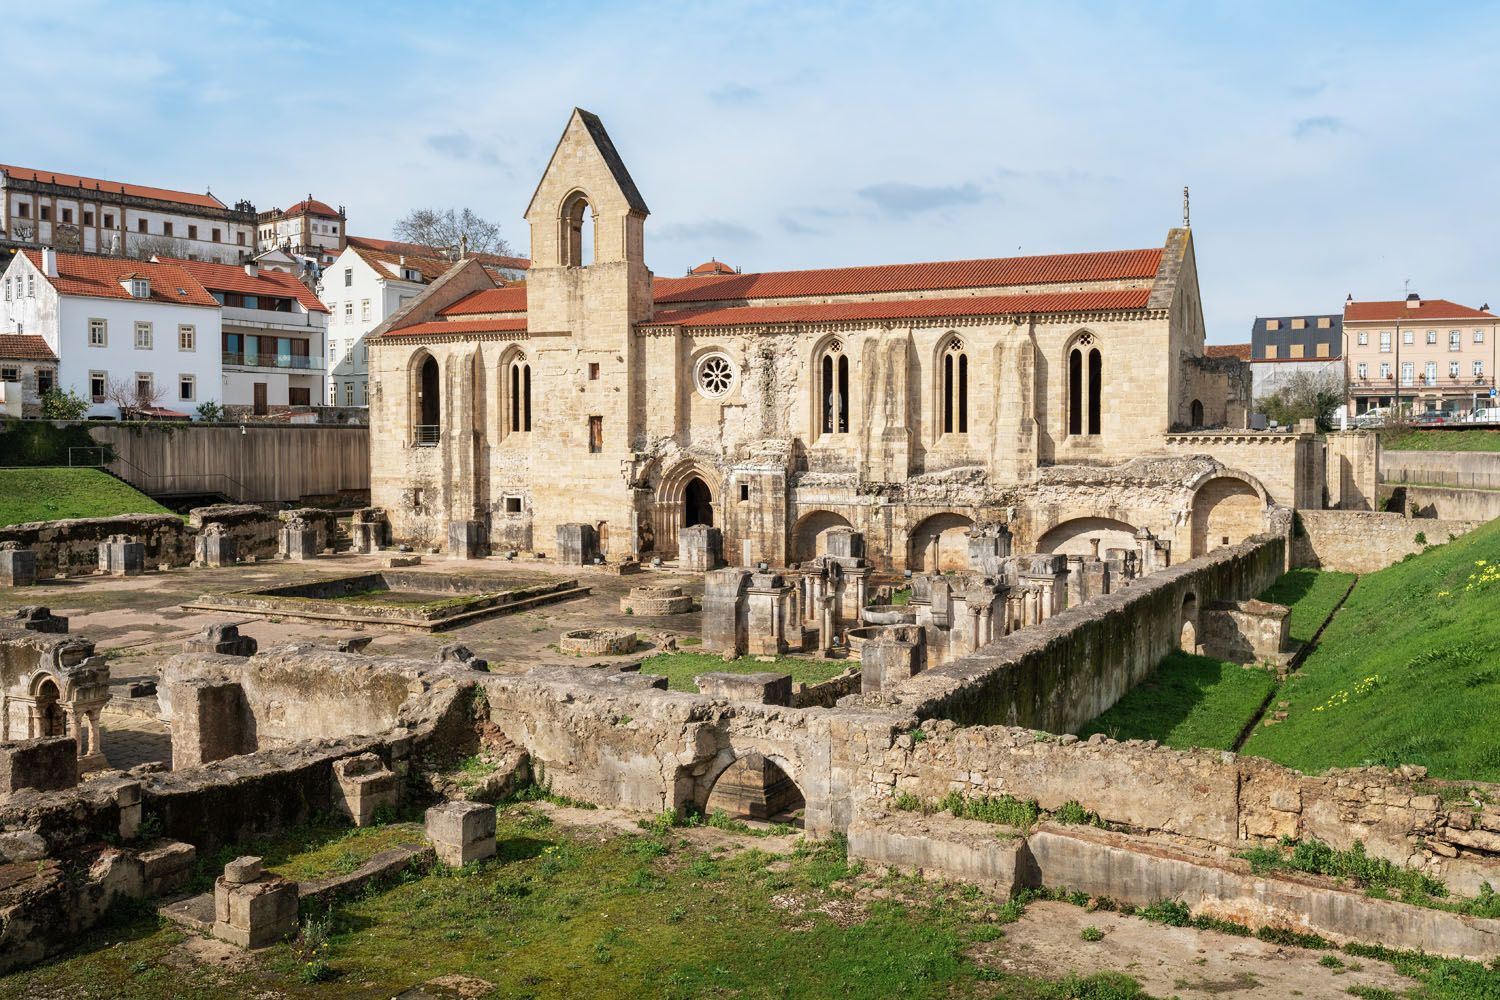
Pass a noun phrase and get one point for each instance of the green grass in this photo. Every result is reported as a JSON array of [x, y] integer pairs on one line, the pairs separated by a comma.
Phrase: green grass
[[681, 668], [1187, 701], [1476, 439], [1408, 672], [1311, 594], [557, 914], [49, 494], [40, 442]]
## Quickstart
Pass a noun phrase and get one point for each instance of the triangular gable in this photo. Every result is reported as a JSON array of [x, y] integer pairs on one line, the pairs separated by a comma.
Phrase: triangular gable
[[607, 152]]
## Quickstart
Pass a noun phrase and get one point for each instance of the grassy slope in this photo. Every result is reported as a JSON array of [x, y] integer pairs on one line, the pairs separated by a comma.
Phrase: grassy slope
[[48, 494], [1311, 594], [1188, 701], [681, 668], [559, 915], [1464, 440], [1428, 631]]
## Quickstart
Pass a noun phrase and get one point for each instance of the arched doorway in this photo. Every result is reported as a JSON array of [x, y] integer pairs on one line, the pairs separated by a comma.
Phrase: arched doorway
[[1226, 511], [1195, 414], [810, 536], [755, 787], [697, 503], [428, 410], [940, 544], [51, 718], [1187, 631], [1087, 536]]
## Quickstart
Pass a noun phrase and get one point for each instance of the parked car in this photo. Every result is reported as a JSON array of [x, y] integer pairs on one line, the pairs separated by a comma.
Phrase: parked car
[[1375, 416], [1485, 415], [1429, 417]]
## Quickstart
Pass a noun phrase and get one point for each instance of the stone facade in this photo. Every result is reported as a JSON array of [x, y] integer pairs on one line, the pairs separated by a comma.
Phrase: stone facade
[[1363, 542], [909, 403]]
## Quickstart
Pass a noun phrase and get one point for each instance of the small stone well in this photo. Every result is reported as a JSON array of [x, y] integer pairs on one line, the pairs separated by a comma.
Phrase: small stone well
[[597, 641], [857, 637], [888, 614], [656, 601]]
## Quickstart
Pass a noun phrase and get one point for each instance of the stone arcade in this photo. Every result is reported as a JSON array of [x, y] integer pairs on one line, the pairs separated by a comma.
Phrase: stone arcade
[[1054, 396]]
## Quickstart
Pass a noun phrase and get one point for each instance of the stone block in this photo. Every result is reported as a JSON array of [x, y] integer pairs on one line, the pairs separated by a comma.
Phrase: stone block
[[461, 832], [467, 540], [253, 912], [761, 688], [224, 639], [35, 618], [167, 867], [46, 765], [362, 785], [210, 721], [129, 800], [724, 610], [846, 543], [17, 567], [299, 539], [397, 562], [700, 548], [214, 548], [463, 655], [884, 663], [119, 555], [577, 544]]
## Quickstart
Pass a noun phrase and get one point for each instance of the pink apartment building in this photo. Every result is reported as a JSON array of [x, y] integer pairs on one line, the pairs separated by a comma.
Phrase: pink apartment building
[[1430, 354]]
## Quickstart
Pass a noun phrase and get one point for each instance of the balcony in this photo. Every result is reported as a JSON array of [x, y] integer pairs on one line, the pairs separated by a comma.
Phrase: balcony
[[284, 362], [426, 435]]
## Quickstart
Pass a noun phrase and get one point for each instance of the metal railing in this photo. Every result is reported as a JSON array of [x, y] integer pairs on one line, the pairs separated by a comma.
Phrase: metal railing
[[155, 484], [305, 362], [426, 435]]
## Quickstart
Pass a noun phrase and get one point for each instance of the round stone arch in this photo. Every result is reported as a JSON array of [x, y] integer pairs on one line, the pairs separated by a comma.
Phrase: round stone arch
[[670, 504], [1083, 384], [576, 213], [749, 759], [49, 698], [834, 346], [939, 543], [1077, 536], [1187, 625], [1228, 506], [810, 533], [424, 396]]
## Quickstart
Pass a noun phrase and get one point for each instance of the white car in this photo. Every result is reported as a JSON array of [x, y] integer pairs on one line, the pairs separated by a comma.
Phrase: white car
[[1485, 415]]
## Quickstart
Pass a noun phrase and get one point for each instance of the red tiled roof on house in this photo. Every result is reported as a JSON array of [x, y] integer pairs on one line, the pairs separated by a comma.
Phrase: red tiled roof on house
[[312, 206], [1241, 351], [832, 312], [1112, 265], [713, 267], [1430, 309], [232, 278], [511, 298], [112, 187], [422, 250], [100, 277], [25, 347], [459, 326], [391, 264]]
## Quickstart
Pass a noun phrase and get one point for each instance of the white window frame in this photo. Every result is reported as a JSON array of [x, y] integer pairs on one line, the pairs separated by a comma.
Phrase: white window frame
[[140, 288], [1385, 369], [187, 337], [1478, 369], [1408, 373], [1430, 372], [1408, 337], [1385, 341], [1453, 369], [144, 326], [1432, 336], [191, 381], [1455, 340], [103, 393], [1362, 338], [1364, 370], [101, 327]]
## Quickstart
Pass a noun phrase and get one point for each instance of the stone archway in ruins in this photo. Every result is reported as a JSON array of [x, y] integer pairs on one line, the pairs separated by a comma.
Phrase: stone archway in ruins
[[810, 534], [673, 505], [1187, 629], [49, 718], [1087, 536], [1227, 509], [754, 786], [939, 544]]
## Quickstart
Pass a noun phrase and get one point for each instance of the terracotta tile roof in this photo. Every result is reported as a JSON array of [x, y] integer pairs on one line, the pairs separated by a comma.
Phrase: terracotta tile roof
[[459, 326], [1430, 309], [112, 187], [983, 305], [1051, 269], [438, 253], [100, 277], [312, 206], [232, 278], [1241, 351], [499, 260], [511, 298], [390, 264], [25, 347], [713, 267]]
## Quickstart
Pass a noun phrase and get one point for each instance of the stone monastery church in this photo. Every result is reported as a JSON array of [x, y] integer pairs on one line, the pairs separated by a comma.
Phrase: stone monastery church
[[1064, 397]]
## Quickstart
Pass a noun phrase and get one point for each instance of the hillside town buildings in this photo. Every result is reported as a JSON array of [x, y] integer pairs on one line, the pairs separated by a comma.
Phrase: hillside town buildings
[[309, 228], [1433, 355]]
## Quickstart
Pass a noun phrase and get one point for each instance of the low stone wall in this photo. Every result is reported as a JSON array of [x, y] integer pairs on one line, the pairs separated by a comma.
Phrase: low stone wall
[[826, 694], [1064, 671], [1447, 503], [252, 529], [1478, 469], [1354, 541]]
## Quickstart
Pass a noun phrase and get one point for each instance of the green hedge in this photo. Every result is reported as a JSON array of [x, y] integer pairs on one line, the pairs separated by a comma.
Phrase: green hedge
[[41, 442]]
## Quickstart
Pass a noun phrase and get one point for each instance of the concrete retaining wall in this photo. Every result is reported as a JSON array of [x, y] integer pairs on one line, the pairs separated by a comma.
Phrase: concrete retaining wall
[[1447, 503], [1362, 542], [1479, 469]]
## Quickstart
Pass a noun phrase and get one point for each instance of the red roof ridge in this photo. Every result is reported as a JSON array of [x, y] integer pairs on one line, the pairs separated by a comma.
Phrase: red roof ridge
[[25, 347], [978, 305], [99, 277], [232, 278], [112, 187]]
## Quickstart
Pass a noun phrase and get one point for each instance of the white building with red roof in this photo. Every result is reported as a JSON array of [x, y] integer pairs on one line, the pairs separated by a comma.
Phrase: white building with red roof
[[85, 214], [28, 369], [148, 326]]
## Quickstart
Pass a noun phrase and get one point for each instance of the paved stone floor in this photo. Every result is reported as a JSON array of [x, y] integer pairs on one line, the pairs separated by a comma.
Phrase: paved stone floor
[[139, 621]]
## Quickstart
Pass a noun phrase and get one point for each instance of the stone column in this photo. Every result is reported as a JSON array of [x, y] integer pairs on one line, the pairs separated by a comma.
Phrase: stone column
[[886, 662], [1076, 593], [17, 566]]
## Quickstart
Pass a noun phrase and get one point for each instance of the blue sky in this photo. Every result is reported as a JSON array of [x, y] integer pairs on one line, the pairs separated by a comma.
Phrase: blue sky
[[1331, 148]]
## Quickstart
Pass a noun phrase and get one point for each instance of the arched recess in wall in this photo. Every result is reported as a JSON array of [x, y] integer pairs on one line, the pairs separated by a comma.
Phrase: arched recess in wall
[[1226, 511], [577, 231], [671, 506], [810, 534], [1187, 627], [951, 386], [1195, 414], [832, 387], [425, 381], [1084, 363], [515, 392], [50, 718], [939, 543], [752, 786], [1087, 536]]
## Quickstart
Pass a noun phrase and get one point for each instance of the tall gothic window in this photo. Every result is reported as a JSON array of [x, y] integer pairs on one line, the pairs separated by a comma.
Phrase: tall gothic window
[[955, 388], [1085, 386], [520, 395], [834, 389]]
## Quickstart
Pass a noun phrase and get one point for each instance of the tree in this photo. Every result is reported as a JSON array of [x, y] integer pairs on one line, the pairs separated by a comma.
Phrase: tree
[[146, 247], [1305, 395], [133, 394], [451, 230], [63, 405], [210, 411]]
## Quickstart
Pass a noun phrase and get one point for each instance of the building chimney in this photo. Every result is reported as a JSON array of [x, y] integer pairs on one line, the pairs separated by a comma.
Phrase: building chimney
[[1414, 301], [252, 268], [49, 262]]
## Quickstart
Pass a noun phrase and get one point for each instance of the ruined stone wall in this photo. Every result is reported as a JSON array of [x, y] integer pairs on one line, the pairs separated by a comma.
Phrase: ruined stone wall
[[71, 547], [1365, 541], [1352, 463], [1288, 465], [1059, 674], [1445, 503], [252, 529]]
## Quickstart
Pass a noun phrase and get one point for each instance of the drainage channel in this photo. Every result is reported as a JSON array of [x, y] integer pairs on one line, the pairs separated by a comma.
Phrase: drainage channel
[[1296, 664]]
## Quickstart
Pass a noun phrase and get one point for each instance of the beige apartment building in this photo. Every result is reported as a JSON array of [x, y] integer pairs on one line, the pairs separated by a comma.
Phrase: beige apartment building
[[1430, 354]]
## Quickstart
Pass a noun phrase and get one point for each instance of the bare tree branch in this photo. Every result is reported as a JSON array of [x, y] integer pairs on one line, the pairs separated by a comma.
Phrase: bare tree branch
[[451, 231]]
